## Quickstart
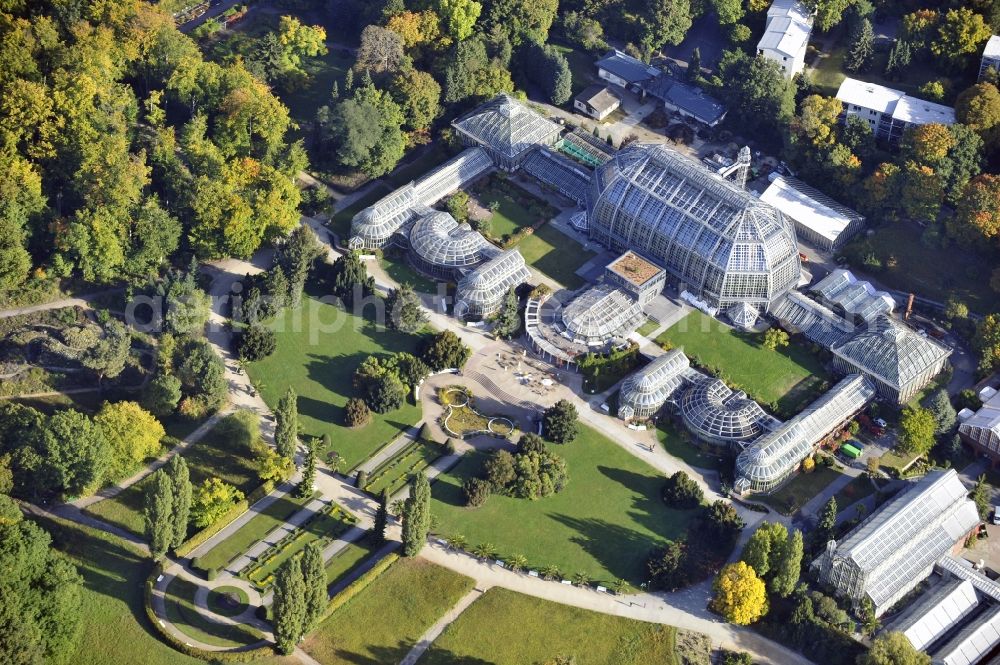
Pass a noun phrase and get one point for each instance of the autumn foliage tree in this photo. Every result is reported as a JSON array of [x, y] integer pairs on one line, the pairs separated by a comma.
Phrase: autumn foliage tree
[[739, 595]]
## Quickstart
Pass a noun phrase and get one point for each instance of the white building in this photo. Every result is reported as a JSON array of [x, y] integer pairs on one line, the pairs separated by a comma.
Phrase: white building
[[982, 429], [819, 220], [888, 111], [786, 36], [991, 56]]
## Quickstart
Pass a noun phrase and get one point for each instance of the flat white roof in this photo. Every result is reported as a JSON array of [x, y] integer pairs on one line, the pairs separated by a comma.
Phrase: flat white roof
[[792, 9], [921, 112], [788, 197], [992, 49], [868, 95], [784, 35]]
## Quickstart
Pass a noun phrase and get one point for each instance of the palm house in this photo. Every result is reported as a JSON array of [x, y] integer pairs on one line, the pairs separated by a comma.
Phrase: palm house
[[645, 392], [722, 243], [443, 248], [481, 292], [718, 415], [897, 547], [507, 129], [774, 457], [897, 360], [601, 313]]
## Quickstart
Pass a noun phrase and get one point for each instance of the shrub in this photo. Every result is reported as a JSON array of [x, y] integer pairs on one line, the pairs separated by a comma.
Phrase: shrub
[[426, 434], [476, 492], [255, 343], [361, 479], [680, 491], [808, 464], [357, 413]]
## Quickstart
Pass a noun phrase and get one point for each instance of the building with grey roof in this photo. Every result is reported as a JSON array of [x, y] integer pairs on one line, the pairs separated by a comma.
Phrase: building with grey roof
[[991, 57], [786, 35], [798, 313], [819, 220], [597, 102], [507, 129], [720, 241], [941, 609], [897, 547], [981, 430], [897, 360], [853, 298], [774, 457], [600, 314], [889, 111]]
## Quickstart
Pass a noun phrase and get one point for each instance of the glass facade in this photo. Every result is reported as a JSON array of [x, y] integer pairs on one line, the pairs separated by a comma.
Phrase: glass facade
[[646, 391], [481, 292], [443, 248], [718, 415], [600, 314]]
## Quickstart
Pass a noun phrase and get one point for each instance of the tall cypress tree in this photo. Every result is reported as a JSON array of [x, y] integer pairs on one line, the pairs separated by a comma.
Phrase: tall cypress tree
[[286, 429], [314, 578], [180, 479], [305, 487], [289, 605], [785, 574], [159, 514], [416, 516], [381, 516]]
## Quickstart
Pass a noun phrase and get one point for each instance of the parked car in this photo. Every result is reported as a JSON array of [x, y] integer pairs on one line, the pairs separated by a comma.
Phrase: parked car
[[996, 514]]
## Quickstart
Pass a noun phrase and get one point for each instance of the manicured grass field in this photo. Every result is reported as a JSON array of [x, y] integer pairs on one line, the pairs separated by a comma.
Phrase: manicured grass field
[[395, 472], [555, 254], [510, 217], [319, 347], [603, 523], [343, 561], [678, 442], [403, 273], [259, 526], [184, 615], [383, 621], [857, 489], [784, 380], [228, 600], [799, 490], [224, 452], [507, 628], [114, 628], [648, 327]]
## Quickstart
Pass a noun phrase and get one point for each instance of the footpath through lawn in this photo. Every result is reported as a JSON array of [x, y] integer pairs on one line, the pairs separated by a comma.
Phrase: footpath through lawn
[[603, 524]]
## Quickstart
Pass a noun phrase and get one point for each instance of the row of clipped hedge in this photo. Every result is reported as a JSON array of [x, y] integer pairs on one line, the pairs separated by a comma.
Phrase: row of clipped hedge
[[266, 651], [218, 525]]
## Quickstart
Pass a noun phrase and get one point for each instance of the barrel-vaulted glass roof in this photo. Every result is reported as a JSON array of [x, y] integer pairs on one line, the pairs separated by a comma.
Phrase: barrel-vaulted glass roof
[[438, 240], [774, 456], [855, 297], [649, 388], [601, 313], [716, 413], [720, 240], [891, 351], [482, 290]]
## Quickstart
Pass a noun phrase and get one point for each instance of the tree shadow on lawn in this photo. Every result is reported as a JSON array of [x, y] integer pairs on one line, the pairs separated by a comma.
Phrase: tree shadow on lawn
[[447, 488], [649, 506], [326, 412], [620, 550], [381, 655]]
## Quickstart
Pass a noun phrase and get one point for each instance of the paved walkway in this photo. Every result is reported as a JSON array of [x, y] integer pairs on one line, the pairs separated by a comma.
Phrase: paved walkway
[[434, 631], [407, 437], [76, 301]]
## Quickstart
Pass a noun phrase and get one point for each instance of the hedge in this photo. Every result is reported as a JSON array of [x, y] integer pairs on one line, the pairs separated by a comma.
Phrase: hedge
[[358, 585], [194, 652], [218, 525]]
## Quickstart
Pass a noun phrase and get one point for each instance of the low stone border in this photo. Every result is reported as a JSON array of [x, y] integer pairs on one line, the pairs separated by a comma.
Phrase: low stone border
[[490, 431]]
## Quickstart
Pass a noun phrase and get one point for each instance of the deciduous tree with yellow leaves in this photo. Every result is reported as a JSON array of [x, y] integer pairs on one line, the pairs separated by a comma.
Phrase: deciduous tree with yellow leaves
[[740, 596]]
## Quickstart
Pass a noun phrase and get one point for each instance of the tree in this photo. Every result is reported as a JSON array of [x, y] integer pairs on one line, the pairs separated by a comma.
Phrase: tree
[[314, 581], [737, 657], [365, 130], [559, 422], [987, 342], [286, 429], [963, 162], [306, 485], [74, 453], [933, 90], [899, 59], [387, 394], [211, 500], [583, 30], [256, 343], [961, 33], [132, 434], [107, 357], [893, 648], [457, 16], [916, 430], [978, 212], [921, 191], [350, 279], [419, 96], [416, 515], [381, 516], [405, 311], [728, 11], [162, 395], [927, 144], [757, 91], [939, 404], [785, 574], [666, 566], [817, 120], [507, 322], [180, 481], [356, 413], [775, 338], [694, 65], [978, 108], [416, 28], [381, 50], [980, 495], [445, 351], [520, 20], [202, 373], [476, 491], [681, 491], [739, 595], [663, 23], [289, 605], [764, 549], [862, 52], [828, 12], [159, 506]]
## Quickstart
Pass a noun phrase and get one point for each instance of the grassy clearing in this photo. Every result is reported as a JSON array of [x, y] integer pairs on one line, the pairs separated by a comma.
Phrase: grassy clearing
[[799, 490], [784, 380], [678, 442], [184, 615], [510, 217], [224, 453], [346, 559], [857, 489], [552, 252], [603, 524], [319, 347], [403, 273], [395, 472], [897, 461], [648, 328], [255, 529], [508, 628], [827, 73], [228, 601], [340, 222], [433, 156], [383, 621]]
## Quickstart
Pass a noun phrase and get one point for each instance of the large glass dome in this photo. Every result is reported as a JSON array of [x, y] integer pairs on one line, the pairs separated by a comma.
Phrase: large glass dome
[[442, 247], [724, 244], [718, 415]]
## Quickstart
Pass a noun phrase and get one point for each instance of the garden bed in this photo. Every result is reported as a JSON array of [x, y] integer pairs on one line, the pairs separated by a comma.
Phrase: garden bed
[[393, 474], [462, 420]]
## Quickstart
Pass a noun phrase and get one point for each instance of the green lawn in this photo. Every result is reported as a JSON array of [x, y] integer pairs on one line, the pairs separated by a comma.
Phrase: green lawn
[[604, 523], [114, 627], [224, 452], [510, 217], [507, 628], [346, 559], [552, 252], [649, 327], [784, 380], [799, 490], [385, 620], [256, 528], [319, 347], [828, 73], [857, 489], [395, 472], [184, 615], [400, 270], [678, 442], [340, 222]]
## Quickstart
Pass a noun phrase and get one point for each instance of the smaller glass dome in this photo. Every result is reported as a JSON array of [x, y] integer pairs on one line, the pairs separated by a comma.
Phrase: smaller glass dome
[[718, 415]]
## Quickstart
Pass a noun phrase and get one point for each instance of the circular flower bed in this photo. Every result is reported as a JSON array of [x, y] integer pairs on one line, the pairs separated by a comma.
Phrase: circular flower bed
[[228, 601]]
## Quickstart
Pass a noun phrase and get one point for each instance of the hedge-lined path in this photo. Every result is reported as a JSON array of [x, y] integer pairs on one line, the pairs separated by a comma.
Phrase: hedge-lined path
[[408, 436]]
